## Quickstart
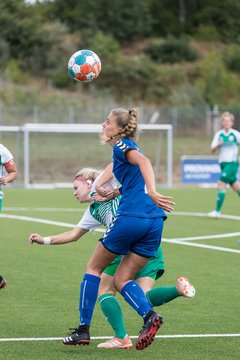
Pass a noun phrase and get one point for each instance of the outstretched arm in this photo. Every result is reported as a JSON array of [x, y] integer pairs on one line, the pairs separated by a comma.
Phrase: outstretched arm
[[136, 158], [59, 239]]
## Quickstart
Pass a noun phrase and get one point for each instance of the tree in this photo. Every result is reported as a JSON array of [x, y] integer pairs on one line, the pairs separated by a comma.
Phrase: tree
[[124, 19], [21, 29]]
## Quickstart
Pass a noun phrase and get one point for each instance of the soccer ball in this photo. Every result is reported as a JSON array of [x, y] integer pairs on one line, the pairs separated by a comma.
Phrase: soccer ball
[[84, 65]]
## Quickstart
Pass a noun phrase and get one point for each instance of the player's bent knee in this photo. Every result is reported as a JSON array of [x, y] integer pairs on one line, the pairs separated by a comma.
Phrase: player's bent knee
[[119, 282]]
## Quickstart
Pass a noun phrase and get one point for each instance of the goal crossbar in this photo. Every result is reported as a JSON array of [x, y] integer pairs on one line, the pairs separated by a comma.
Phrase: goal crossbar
[[28, 128]]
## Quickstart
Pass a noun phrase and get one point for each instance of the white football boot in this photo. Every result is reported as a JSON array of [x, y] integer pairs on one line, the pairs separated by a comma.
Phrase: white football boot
[[184, 287], [116, 343], [214, 214]]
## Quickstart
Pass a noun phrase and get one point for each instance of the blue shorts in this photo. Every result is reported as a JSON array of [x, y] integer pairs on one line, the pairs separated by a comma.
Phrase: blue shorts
[[141, 236]]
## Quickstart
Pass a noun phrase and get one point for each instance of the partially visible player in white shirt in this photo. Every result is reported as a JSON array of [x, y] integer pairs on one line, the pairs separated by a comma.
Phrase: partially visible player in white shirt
[[96, 215], [8, 173], [227, 141]]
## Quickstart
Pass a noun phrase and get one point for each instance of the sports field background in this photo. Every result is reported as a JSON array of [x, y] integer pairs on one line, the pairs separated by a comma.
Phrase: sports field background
[[86, 151], [41, 300]]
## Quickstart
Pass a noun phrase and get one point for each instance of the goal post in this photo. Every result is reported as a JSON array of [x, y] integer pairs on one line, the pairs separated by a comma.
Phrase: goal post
[[53, 150]]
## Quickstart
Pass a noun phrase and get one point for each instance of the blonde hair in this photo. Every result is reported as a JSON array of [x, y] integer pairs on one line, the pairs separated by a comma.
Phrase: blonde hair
[[88, 174], [228, 114], [127, 120]]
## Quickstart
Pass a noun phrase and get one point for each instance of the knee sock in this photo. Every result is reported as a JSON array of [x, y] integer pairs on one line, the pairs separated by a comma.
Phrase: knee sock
[[161, 295], [238, 192], [220, 199], [135, 297], [113, 313], [88, 297]]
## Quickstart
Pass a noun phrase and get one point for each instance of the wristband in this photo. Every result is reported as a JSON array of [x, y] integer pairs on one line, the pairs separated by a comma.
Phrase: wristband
[[47, 240]]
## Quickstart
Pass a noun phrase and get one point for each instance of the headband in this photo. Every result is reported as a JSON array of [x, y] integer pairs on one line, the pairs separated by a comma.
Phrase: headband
[[82, 179]]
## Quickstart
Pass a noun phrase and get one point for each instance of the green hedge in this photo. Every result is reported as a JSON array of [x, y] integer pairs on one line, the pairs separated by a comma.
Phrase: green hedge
[[173, 50]]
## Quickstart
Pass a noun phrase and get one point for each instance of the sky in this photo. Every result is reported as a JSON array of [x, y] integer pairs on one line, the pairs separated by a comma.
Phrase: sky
[[32, 1]]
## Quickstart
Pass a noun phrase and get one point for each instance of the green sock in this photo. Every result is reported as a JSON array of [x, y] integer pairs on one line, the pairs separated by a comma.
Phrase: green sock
[[161, 295], [113, 313], [238, 192], [220, 199]]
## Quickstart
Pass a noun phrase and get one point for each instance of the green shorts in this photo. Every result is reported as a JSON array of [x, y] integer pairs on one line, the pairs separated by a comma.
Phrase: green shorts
[[153, 269], [229, 172]]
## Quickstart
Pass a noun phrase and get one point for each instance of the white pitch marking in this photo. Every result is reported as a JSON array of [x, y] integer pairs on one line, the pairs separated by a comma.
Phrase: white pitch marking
[[31, 219], [43, 209], [178, 241], [177, 213], [200, 214], [188, 243], [177, 336], [218, 236], [41, 221]]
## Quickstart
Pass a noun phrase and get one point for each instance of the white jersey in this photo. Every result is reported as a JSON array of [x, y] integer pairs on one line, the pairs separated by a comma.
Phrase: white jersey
[[5, 157], [230, 142], [100, 213]]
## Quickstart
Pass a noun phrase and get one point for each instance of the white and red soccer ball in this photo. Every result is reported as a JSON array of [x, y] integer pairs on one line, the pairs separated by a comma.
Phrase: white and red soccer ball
[[84, 65]]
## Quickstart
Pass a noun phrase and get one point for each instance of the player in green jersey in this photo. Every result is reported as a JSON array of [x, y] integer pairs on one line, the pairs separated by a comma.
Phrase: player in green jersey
[[226, 141], [8, 173], [101, 213]]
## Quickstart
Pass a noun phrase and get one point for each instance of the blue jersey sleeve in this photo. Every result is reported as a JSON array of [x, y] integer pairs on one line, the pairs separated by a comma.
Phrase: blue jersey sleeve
[[122, 147]]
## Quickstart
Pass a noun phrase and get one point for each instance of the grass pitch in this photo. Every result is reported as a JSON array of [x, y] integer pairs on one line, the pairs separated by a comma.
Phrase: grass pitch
[[41, 300]]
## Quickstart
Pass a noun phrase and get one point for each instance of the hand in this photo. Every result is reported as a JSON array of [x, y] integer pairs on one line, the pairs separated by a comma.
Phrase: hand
[[104, 192], [162, 201], [3, 180], [99, 198], [36, 238]]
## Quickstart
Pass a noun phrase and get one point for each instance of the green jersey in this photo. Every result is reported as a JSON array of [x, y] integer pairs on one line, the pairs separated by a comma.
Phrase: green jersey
[[229, 148]]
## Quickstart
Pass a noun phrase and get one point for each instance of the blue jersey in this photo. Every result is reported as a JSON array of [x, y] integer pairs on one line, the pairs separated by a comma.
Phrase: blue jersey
[[135, 200]]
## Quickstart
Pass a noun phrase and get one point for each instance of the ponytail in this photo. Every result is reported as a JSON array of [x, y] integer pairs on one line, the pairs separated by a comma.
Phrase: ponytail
[[127, 120]]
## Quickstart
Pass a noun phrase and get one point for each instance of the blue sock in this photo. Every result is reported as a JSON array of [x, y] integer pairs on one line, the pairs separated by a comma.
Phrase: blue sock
[[135, 297], [88, 297]]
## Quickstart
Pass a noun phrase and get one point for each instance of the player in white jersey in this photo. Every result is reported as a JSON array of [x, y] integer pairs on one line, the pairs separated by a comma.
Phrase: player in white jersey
[[97, 213], [226, 141], [8, 173]]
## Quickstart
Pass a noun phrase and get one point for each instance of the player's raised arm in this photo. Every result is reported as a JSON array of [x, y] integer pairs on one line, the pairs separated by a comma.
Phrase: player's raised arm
[[137, 158]]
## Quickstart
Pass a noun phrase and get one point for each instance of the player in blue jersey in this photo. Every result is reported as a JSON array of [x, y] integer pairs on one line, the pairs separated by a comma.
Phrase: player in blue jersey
[[135, 233], [145, 277], [100, 212]]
